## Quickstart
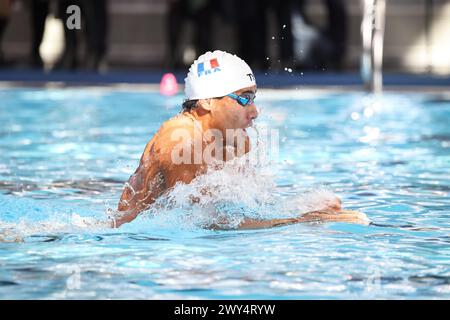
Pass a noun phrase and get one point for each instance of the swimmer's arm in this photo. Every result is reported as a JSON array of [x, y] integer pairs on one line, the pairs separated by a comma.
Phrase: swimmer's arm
[[128, 210], [143, 187], [125, 216], [131, 205], [249, 223], [313, 216]]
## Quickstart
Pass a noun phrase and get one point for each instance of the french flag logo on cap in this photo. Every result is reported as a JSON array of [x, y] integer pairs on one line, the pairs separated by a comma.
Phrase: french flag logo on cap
[[208, 67]]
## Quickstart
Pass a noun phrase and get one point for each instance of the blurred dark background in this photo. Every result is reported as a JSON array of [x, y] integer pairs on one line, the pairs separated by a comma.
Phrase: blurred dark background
[[272, 36]]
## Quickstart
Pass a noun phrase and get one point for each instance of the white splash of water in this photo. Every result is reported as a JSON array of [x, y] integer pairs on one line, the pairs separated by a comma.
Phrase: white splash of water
[[73, 223]]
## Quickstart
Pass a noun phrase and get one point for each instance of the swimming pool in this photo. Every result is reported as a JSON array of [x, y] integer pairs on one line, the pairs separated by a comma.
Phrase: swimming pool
[[66, 153]]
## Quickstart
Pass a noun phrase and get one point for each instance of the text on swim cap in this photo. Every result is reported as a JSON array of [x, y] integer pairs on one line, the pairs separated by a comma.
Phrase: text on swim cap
[[204, 68]]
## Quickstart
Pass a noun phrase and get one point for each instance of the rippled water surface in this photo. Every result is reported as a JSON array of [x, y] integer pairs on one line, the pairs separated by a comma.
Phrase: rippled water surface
[[66, 153]]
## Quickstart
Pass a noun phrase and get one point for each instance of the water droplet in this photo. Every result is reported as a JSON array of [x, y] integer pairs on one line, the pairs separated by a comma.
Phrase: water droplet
[[355, 116], [368, 112]]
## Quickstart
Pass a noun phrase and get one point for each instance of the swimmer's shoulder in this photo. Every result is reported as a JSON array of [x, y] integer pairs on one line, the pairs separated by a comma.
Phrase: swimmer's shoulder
[[179, 121], [166, 136], [177, 125]]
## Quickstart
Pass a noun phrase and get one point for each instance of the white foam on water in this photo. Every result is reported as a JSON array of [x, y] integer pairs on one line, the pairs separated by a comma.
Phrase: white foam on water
[[57, 223], [312, 199]]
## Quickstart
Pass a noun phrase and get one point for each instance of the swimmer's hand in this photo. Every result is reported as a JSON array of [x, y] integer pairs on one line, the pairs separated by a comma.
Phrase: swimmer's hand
[[348, 216], [331, 211]]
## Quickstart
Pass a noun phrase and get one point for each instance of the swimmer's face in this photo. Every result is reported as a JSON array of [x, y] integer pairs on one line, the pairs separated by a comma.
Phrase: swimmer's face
[[229, 114]]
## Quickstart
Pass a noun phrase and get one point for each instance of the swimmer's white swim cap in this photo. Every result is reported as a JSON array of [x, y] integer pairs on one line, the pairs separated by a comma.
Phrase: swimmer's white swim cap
[[216, 74]]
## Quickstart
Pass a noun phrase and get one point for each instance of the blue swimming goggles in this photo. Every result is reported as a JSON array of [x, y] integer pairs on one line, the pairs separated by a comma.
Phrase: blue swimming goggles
[[244, 99]]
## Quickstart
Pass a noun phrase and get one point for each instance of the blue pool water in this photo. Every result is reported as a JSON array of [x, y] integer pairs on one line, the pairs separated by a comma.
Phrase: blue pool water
[[66, 153]]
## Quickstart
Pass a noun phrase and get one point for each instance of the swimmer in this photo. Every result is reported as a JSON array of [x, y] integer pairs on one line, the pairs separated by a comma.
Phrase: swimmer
[[220, 90]]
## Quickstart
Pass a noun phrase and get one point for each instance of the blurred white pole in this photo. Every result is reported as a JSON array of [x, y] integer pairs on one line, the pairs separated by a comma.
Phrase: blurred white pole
[[372, 32]]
